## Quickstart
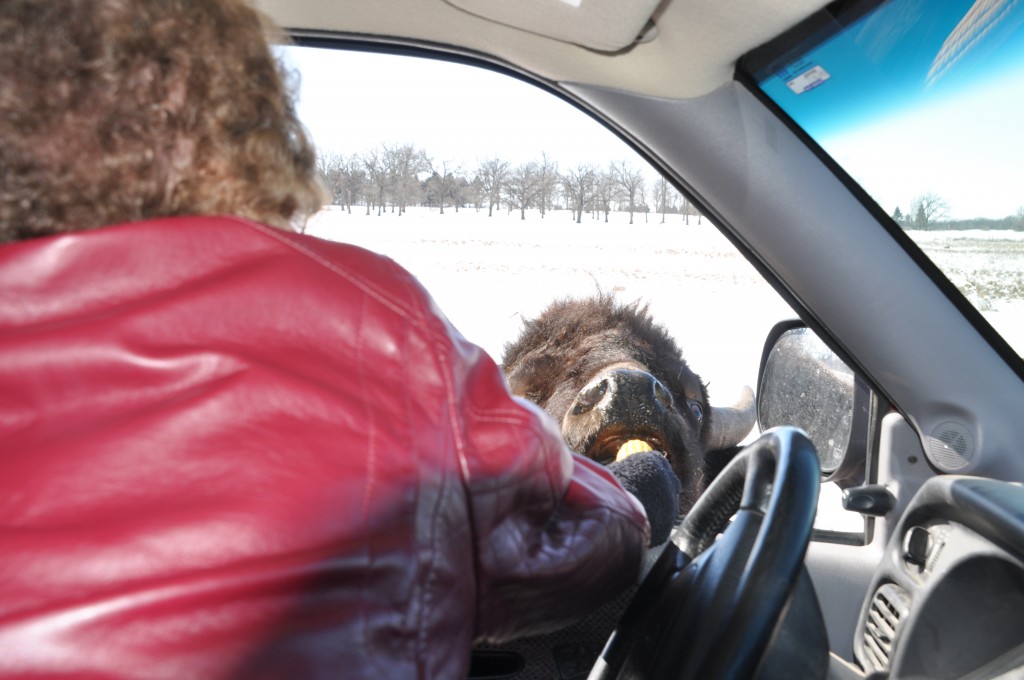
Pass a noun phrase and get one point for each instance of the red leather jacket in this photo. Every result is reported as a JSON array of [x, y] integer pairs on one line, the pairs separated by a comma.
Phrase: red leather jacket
[[228, 451]]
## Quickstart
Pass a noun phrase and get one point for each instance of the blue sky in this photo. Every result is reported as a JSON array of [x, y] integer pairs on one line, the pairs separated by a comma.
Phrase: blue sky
[[901, 130]]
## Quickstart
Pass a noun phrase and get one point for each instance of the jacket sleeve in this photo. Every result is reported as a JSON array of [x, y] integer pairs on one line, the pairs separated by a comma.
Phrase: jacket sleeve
[[555, 535]]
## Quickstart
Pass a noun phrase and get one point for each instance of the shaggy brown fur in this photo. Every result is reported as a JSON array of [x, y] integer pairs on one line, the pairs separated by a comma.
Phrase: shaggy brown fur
[[114, 111], [573, 340]]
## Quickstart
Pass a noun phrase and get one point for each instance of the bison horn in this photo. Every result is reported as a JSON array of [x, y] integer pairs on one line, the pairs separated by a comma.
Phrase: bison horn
[[731, 424]]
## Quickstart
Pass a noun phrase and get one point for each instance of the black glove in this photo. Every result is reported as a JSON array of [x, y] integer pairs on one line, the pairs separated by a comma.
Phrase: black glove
[[649, 477]]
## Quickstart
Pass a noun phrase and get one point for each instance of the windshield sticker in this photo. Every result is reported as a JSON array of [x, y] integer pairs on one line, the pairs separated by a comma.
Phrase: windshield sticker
[[808, 80]]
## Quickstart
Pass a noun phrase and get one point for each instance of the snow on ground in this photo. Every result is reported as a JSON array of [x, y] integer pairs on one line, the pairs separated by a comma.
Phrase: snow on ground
[[488, 274], [966, 235], [988, 267]]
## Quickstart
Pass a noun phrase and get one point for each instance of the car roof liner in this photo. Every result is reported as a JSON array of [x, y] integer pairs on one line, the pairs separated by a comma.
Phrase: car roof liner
[[603, 25]]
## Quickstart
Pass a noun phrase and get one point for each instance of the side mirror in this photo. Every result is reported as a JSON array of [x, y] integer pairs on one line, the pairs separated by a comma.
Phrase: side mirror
[[803, 383]]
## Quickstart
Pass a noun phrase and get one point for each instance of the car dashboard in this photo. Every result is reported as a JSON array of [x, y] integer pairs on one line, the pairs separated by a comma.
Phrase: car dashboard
[[947, 600]]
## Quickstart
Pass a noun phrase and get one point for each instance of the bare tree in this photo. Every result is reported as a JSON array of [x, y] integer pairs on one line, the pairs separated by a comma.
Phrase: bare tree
[[689, 209], [606, 190], [492, 174], [659, 194], [474, 193], [547, 178], [522, 188], [928, 209], [376, 179], [631, 181], [405, 164], [443, 184], [343, 177], [578, 184], [355, 187], [462, 191], [328, 165]]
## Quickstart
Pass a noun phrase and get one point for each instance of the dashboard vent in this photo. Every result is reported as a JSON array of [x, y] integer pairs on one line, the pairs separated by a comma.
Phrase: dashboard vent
[[889, 607]]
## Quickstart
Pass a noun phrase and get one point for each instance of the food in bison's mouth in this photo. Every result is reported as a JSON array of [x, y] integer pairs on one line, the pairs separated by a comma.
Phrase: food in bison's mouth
[[607, 447]]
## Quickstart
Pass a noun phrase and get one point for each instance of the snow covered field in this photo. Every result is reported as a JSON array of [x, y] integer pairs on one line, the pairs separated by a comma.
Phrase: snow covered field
[[988, 266], [488, 274]]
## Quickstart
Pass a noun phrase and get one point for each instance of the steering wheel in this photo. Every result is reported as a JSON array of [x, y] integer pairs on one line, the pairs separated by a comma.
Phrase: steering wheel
[[709, 606]]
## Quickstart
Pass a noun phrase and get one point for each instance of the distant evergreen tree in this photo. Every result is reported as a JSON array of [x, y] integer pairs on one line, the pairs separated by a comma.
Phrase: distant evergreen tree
[[929, 210], [897, 215], [921, 218]]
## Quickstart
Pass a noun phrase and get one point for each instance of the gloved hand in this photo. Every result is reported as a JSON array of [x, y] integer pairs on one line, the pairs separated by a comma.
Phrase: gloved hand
[[649, 477]]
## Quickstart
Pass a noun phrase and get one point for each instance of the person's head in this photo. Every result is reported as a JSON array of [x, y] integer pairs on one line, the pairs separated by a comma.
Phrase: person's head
[[116, 111]]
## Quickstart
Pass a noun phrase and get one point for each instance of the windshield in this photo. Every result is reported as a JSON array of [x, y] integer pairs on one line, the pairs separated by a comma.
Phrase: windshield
[[920, 103]]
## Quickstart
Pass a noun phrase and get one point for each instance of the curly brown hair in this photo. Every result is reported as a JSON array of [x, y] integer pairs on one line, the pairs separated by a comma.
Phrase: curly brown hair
[[116, 111]]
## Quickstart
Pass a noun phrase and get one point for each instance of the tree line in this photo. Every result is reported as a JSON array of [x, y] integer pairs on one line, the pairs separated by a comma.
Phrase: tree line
[[394, 177], [930, 212]]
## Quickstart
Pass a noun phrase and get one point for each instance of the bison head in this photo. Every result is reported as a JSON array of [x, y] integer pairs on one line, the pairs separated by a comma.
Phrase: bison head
[[617, 383]]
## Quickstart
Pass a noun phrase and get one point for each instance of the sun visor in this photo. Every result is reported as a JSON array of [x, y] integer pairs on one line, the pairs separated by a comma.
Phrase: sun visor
[[604, 25]]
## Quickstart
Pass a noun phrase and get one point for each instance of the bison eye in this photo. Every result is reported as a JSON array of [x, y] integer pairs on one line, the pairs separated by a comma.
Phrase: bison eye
[[696, 409]]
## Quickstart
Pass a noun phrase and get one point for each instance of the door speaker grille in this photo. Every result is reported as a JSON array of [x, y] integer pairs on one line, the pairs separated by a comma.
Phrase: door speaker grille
[[951, 446]]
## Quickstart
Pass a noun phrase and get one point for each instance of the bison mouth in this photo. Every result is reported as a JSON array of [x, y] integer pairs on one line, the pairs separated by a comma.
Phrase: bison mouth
[[611, 444]]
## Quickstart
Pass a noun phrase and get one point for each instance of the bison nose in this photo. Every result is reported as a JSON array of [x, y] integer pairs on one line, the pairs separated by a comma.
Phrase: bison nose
[[622, 389]]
